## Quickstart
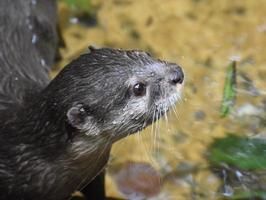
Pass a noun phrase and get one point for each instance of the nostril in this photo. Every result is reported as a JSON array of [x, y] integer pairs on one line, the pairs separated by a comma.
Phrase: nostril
[[178, 76]]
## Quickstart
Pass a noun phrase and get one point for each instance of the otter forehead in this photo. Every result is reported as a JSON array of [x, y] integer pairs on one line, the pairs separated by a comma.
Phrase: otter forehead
[[122, 66], [121, 57], [115, 61]]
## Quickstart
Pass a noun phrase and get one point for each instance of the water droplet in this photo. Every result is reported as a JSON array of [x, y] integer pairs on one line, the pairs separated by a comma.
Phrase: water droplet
[[87, 133], [34, 39], [228, 191], [239, 175], [114, 122], [30, 26], [43, 63], [136, 118], [82, 110], [33, 2], [47, 123], [235, 58], [73, 20], [28, 22], [144, 124]]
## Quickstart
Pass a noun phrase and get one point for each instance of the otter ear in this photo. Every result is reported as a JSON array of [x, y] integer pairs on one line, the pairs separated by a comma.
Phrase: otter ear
[[77, 116], [92, 48], [78, 119]]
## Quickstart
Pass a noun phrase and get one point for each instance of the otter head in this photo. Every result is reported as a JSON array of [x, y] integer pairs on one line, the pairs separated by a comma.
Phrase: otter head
[[114, 93]]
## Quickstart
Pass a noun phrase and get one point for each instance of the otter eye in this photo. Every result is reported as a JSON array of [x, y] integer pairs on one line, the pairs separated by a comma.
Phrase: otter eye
[[139, 89]]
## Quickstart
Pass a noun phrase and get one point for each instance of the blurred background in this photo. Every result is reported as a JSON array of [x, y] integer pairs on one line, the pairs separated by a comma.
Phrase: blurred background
[[197, 152]]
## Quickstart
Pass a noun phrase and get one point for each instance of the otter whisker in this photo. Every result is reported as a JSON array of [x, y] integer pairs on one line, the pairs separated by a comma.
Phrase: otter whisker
[[138, 136], [166, 119], [175, 111], [156, 131], [139, 139], [152, 127], [148, 116], [165, 110], [105, 146], [145, 122]]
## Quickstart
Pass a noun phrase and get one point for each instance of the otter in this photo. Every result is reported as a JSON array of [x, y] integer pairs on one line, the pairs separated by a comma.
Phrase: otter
[[56, 135]]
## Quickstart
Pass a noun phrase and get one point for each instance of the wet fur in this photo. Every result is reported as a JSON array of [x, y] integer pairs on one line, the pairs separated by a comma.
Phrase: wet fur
[[56, 136]]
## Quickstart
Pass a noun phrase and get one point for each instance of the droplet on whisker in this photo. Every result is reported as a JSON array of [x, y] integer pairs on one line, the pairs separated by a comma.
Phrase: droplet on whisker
[[34, 39]]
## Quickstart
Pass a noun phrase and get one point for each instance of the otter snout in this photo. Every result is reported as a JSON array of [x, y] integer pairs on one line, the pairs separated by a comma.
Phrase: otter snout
[[177, 75]]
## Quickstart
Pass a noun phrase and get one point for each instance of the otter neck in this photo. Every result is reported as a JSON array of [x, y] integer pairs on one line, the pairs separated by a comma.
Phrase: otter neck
[[44, 124]]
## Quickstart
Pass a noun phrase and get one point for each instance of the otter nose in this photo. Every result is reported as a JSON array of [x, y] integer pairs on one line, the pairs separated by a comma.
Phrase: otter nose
[[177, 76]]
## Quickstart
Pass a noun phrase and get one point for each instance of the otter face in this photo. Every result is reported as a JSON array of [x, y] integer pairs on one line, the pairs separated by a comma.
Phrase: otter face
[[153, 89], [123, 92]]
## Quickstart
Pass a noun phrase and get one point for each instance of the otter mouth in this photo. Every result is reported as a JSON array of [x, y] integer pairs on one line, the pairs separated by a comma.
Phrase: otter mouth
[[167, 104], [161, 108]]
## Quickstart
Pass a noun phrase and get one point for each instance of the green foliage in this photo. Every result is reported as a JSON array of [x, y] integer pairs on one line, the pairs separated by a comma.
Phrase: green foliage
[[243, 153], [249, 195], [229, 94], [79, 5]]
